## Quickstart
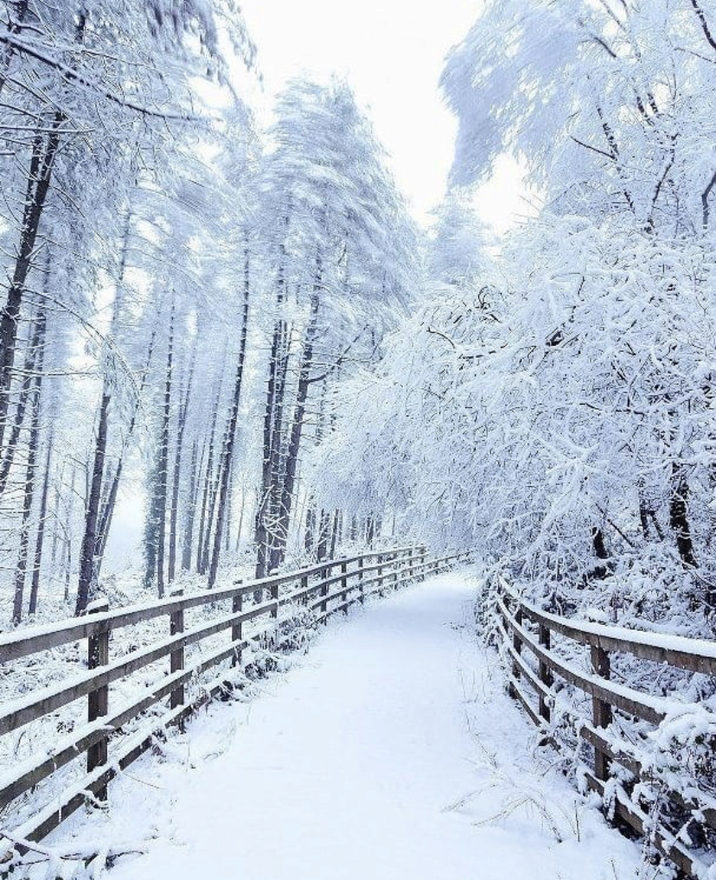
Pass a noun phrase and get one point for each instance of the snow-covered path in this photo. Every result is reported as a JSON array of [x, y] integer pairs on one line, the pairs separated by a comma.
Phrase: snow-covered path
[[388, 752]]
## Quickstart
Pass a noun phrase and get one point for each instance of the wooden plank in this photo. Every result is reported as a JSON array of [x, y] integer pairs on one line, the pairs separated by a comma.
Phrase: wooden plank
[[693, 655], [36, 704], [663, 842], [34, 771], [616, 751], [524, 702], [628, 700], [31, 640]]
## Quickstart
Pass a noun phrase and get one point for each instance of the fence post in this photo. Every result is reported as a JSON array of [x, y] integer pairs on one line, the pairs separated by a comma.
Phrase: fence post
[[601, 710], [237, 628], [176, 658], [380, 572], [324, 588], [396, 559], [423, 560], [517, 645], [344, 583], [545, 673], [304, 587], [274, 597], [98, 700]]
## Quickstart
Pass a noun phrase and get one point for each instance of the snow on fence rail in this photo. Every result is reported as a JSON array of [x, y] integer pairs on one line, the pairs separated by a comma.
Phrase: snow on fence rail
[[619, 773], [339, 583]]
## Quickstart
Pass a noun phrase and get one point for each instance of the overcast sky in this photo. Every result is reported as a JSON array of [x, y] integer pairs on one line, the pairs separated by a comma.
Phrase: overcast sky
[[392, 53]]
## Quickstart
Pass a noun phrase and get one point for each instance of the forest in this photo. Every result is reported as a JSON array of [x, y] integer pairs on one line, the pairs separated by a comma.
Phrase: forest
[[185, 294], [237, 333]]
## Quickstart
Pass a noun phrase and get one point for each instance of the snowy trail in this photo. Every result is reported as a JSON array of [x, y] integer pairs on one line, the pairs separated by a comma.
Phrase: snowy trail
[[389, 752]]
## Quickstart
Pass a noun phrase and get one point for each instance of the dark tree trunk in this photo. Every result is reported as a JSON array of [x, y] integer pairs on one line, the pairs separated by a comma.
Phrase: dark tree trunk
[[292, 454], [336, 532], [190, 509], [278, 363], [208, 476], [308, 535], [230, 435], [227, 527], [97, 515], [678, 516], [277, 456], [67, 536], [19, 416], [21, 568], [600, 551], [162, 476], [174, 512], [239, 530], [44, 150], [110, 502], [370, 530], [39, 540], [323, 535], [87, 573], [211, 511]]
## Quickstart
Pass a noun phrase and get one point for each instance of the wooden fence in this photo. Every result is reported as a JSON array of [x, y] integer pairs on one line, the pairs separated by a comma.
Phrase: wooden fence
[[321, 590], [522, 625]]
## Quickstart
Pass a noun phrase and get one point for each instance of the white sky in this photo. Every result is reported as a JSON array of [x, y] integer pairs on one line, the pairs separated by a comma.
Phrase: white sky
[[391, 52]]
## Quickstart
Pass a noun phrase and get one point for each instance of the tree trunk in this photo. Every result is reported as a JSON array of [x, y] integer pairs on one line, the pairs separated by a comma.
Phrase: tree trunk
[[177, 470], [308, 535], [242, 508], [87, 573], [289, 482], [323, 535], [278, 364], [110, 503], [190, 509], [39, 540], [164, 461], [336, 532], [230, 435], [44, 150], [678, 515], [19, 416], [21, 568], [203, 526]]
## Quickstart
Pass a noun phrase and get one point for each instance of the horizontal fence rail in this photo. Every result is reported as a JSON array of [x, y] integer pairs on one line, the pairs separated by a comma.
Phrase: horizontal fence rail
[[526, 636], [319, 591]]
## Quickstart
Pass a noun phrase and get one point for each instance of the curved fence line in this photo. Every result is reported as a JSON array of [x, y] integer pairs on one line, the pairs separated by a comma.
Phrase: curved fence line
[[525, 634], [320, 590]]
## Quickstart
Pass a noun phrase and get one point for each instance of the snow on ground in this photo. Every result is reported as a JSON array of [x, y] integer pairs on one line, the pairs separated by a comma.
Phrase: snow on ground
[[388, 752]]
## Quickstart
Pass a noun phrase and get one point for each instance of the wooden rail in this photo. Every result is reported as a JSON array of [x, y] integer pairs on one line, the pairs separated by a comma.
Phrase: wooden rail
[[321, 590], [522, 625]]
